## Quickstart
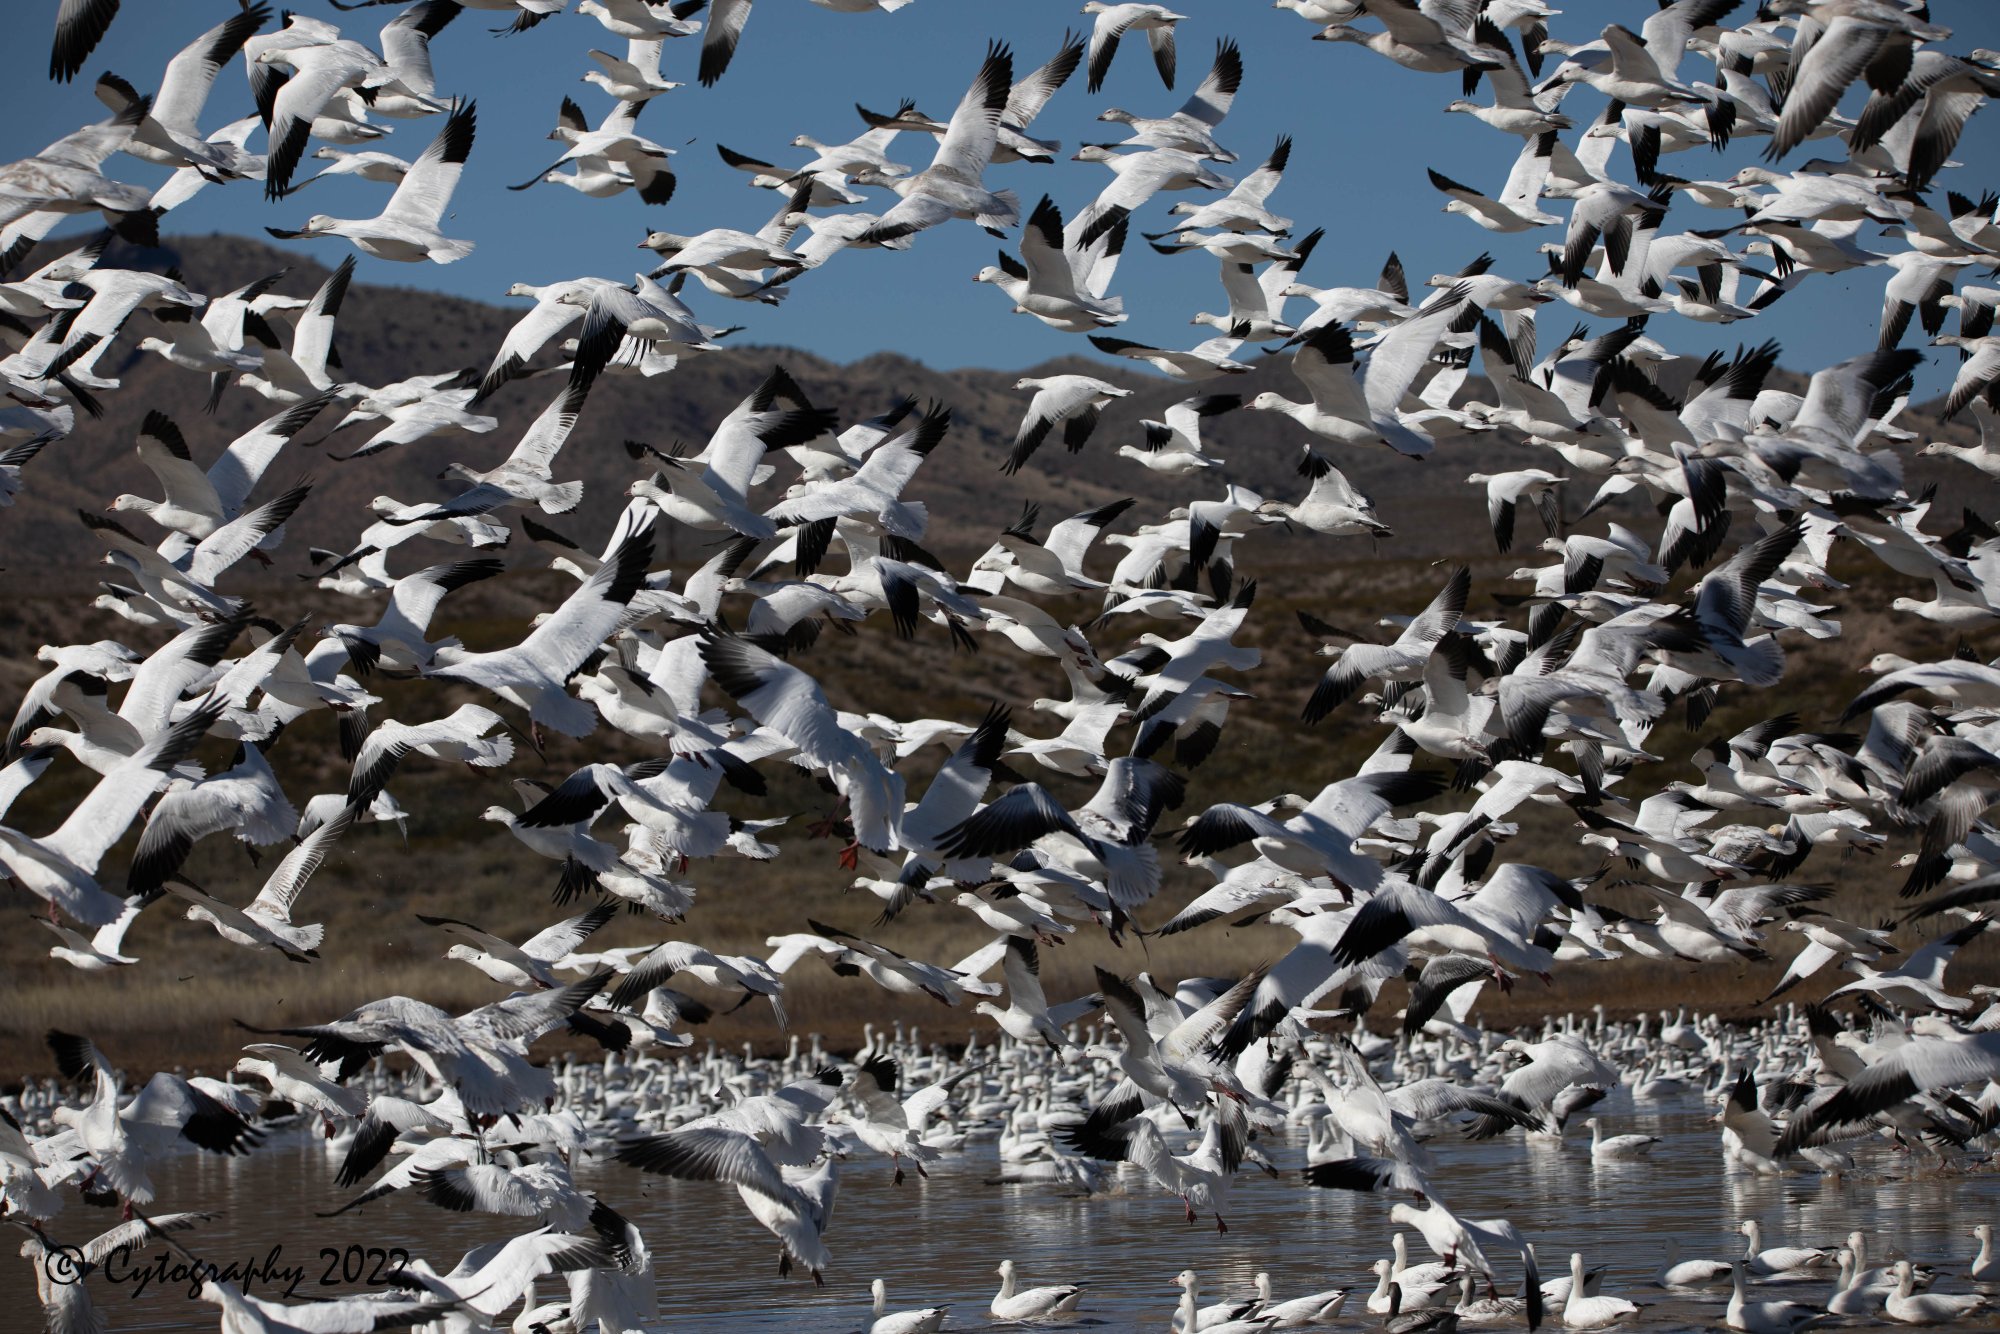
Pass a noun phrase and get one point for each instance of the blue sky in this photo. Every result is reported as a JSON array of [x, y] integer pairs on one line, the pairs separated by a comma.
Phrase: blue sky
[[1364, 132]]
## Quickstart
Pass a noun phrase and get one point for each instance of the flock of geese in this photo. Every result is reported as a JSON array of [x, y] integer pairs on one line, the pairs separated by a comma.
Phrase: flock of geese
[[816, 524]]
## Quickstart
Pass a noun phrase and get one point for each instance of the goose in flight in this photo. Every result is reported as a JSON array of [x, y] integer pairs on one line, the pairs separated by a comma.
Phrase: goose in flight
[[1113, 21], [1367, 412], [1192, 128], [1044, 282], [1319, 840], [59, 867], [407, 229], [610, 158], [267, 922], [531, 963], [1071, 401], [1402, 660], [123, 1144], [791, 703], [524, 477], [952, 186], [1028, 1016], [480, 1054], [534, 673], [1104, 840]]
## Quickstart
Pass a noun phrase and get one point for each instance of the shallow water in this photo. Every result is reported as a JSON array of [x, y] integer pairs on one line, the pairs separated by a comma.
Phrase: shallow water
[[938, 1240]]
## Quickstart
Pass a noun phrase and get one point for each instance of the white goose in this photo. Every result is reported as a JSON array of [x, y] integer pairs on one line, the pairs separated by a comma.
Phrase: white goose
[[903, 1322], [1908, 1306], [1317, 1309], [1766, 1317], [1584, 1310], [1222, 1318], [407, 227], [1032, 1303]]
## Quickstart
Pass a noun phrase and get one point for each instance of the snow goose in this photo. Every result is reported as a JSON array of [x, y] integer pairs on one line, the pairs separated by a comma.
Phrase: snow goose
[[751, 976], [1851, 1296], [1244, 207], [298, 372], [398, 637], [1463, 1241], [1984, 1268], [481, 1054], [1766, 1317], [923, 1321], [1221, 1318], [301, 1083], [1192, 128], [59, 866], [1173, 446], [636, 77], [495, 1276], [1319, 839], [323, 67], [1517, 208], [1113, 21], [1071, 401], [1833, 45], [1908, 1306], [952, 186], [523, 477], [407, 227], [1392, 1296], [125, 1143], [1499, 921], [1402, 660], [1045, 283], [1332, 504], [1617, 1148], [1104, 840], [60, 1270], [1318, 1309], [792, 704], [267, 922], [1201, 1179], [1028, 1016], [532, 673], [1136, 178], [885, 1123], [1583, 1310], [1678, 1273], [533, 961], [1366, 412], [1204, 361], [1032, 1303], [1758, 1259]]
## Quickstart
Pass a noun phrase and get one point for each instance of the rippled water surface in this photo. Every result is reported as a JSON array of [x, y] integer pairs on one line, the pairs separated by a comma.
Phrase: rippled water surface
[[938, 1241]]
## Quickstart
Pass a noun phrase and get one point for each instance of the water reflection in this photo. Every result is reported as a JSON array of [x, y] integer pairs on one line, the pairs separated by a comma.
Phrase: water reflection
[[939, 1240]]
